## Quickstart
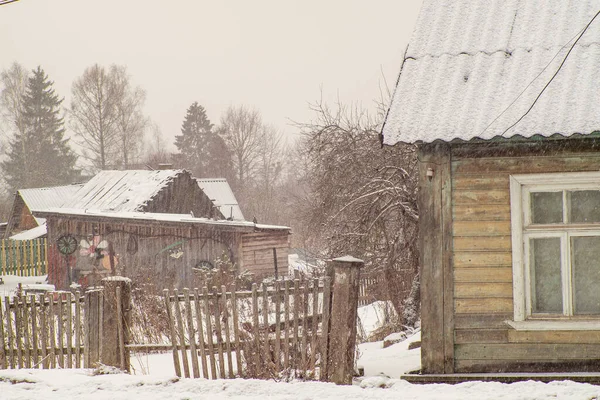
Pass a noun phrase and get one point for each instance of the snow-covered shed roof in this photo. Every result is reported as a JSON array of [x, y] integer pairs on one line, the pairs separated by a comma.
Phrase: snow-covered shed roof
[[163, 218], [43, 198], [220, 193], [473, 69], [121, 190], [32, 233]]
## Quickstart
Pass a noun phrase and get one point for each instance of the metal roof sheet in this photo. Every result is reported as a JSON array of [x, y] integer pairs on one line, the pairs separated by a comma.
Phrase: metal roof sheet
[[121, 190], [220, 193], [38, 199], [473, 68]]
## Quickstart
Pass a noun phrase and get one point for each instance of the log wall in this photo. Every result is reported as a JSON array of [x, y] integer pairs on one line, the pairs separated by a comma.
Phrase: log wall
[[258, 256], [482, 262]]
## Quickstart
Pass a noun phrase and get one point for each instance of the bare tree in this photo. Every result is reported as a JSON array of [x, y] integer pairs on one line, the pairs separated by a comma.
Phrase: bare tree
[[361, 199], [106, 114], [131, 122], [242, 129], [14, 83], [93, 115], [155, 151]]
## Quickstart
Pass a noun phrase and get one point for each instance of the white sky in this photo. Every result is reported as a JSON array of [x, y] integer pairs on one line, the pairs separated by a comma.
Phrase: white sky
[[275, 55]]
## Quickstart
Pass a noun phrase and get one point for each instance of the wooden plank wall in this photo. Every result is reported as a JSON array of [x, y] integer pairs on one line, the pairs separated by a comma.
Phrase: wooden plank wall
[[483, 268], [257, 252]]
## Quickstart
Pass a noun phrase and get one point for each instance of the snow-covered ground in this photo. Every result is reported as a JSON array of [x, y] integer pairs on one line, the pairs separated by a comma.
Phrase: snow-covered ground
[[153, 377], [11, 282], [83, 385]]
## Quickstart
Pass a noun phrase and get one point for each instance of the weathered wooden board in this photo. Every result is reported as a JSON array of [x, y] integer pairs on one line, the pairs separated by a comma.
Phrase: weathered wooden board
[[535, 366], [481, 182], [485, 274], [583, 337], [481, 197], [483, 243], [481, 228], [482, 321], [527, 351], [465, 336], [482, 259], [483, 305], [515, 165], [479, 289], [481, 212]]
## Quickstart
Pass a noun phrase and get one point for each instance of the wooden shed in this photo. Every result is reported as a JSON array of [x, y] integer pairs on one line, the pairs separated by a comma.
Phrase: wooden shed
[[156, 247], [501, 100], [28, 201]]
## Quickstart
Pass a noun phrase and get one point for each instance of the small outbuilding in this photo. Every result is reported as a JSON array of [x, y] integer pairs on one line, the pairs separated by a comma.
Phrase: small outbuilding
[[501, 99]]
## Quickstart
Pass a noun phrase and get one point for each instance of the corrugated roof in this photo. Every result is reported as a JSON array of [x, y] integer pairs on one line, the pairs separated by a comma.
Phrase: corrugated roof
[[473, 68], [43, 198], [220, 193], [121, 190]]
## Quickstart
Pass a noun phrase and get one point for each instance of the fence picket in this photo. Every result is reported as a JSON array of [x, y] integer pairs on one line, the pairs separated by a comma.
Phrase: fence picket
[[325, 327], [44, 335], [191, 333], [60, 328], [236, 333], [209, 335], [286, 304], [304, 351], [265, 312], [167, 297], [315, 324], [26, 335], [217, 316], [3, 359], [181, 329], [9, 331], [256, 330], [277, 299], [227, 330], [18, 333], [77, 329], [200, 333], [69, 330], [296, 322]]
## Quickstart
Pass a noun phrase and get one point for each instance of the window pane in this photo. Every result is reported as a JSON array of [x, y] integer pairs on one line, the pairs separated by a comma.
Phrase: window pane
[[585, 206], [546, 282], [585, 260], [546, 207]]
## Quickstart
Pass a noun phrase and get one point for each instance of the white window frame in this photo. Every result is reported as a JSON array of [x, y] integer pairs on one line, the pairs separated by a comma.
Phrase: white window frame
[[522, 230]]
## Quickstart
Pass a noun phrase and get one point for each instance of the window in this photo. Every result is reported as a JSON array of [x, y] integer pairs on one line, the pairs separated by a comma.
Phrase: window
[[556, 246]]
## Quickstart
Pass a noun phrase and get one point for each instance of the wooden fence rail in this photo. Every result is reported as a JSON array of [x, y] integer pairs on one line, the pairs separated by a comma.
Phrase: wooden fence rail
[[262, 333], [42, 331], [23, 257]]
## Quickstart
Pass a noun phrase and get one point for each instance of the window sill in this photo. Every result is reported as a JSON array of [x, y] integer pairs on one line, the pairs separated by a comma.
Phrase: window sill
[[555, 325]]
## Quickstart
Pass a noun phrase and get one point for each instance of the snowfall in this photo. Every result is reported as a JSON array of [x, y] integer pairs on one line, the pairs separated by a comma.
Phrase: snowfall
[[153, 377]]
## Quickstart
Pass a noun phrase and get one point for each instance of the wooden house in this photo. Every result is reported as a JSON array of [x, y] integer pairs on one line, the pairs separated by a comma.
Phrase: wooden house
[[27, 201], [500, 98], [154, 225]]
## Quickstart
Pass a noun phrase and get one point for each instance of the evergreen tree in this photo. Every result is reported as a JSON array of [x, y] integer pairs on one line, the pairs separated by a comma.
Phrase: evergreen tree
[[201, 149], [40, 155]]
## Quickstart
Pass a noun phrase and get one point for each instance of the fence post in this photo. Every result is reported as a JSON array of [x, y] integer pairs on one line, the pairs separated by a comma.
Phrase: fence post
[[344, 311], [92, 325], [116, 318]]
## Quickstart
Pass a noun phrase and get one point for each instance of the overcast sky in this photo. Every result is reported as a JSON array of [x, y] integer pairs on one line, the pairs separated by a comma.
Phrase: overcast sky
[[274, 55]]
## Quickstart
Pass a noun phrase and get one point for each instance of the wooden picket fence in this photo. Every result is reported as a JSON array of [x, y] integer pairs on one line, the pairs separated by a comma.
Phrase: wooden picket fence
[[263, 333], [42, 331], [370, 290], [23, 257]]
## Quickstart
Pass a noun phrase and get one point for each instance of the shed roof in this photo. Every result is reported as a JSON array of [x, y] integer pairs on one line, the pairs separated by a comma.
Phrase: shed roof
[[220, 193], [43, 198], [122, 190], [474, 68], [159, 218]]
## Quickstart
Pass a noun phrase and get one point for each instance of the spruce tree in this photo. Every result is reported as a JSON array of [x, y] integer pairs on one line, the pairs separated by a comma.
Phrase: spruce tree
[[40, 155], [201, 149]]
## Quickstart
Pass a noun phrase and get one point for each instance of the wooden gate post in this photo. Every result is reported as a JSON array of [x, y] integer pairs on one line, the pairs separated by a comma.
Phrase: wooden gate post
[[116, 318], [92, 326], [344, 311]]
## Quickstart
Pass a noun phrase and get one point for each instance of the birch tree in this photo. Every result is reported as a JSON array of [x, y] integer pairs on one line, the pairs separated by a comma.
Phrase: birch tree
[[14, 83]]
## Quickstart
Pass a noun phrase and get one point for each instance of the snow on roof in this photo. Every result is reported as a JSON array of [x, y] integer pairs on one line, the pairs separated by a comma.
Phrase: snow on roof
[[473, 68], [30, 234], [160, 217], [220, 193], [42, 198], [121, 190]]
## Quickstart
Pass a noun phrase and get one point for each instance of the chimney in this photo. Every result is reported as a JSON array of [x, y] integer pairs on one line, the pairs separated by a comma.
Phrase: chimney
[[165, 166]]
